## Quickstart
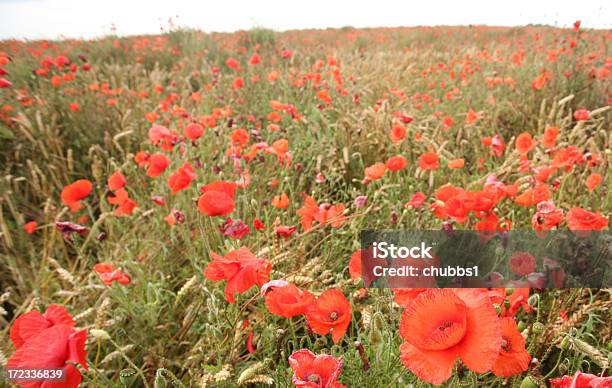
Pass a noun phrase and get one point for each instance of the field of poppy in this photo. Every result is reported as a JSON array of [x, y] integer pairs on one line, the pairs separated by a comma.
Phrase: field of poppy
[[184, 209]]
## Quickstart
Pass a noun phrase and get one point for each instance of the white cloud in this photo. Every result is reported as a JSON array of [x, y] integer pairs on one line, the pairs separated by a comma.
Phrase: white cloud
[[73, 18]]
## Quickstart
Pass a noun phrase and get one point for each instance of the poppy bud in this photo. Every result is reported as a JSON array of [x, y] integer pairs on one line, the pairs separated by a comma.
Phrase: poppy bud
[[533, 300], [538, 328], [521, 326], [127, 377], [509, 291], [565, 343], [498, 309], [528, 383], [160, 380], [447, 227]]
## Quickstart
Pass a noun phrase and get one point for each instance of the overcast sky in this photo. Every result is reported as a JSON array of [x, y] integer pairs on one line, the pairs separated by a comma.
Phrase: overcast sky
[[34, 19]]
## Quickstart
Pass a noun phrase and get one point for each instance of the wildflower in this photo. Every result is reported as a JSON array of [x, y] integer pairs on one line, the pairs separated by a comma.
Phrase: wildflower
[[116, 181], [396, 163], [456, 164], [288, 300], [109, 273], [280, 201], [330, 313], [73, 193], [361, 201], [234, 229], [416, 201], [513, 358], [284, 231], [398, 133], [524, 143], [441, 325], [314, 371], [242, 270], [217, 198], [593, 181], [429, 161], [30, 227], [522, 263], [581, 115], [193, 131], [581, 219], [157, 164], [49, 341], [181, 178], [580, 379], [375, 171]]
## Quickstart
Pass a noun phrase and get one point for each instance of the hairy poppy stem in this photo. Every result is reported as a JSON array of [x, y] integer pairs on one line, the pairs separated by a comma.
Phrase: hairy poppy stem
[[364, 358]]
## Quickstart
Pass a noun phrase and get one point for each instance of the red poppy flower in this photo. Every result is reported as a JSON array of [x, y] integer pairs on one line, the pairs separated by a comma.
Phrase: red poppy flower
[[405, 296], [142, 158], [284, 231], [416, 201], [429, 161], [217, 198], [471, 116], [323, 214], [524, 143], [181, 178], [547, 216], [75, 192], [581, 115], [441, 325], [157, 164], [375, 171], [4, 83], [288, 300], [398, 133], [330, 313], [593, 181], [109, 273], [550, 137], [30, 227], [533, 196], [581, 219], [125, 205], [116, 181], [522, 263], [513, 358], [258, 224], [280, 201], [32, 323], [510, 304], [238, 83], [456, 164], [163, 137], [234, 229], [242, 270], [396, 163], [193, 131], [315, 371], [581, 380], [48, 341]]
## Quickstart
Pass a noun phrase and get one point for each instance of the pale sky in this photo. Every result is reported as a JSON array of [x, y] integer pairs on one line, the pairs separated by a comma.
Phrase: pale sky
[[34, 19]]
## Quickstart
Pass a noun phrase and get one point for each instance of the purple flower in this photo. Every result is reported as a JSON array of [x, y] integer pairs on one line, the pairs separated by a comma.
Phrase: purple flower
[[361, 201]]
